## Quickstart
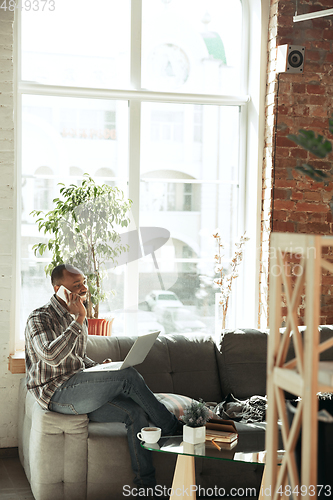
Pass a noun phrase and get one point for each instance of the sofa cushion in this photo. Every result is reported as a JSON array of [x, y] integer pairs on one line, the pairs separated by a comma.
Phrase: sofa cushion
[[243, 363], [176, 403], [57, 454]]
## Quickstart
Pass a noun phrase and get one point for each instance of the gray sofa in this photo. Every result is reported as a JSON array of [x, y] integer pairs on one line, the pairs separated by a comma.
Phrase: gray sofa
[[70, 458]]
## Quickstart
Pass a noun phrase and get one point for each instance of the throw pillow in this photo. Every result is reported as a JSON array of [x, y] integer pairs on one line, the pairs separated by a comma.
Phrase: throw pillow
[[177, 403]]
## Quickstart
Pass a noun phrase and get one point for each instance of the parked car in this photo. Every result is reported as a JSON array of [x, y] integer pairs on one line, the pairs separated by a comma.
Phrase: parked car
[[180, 320], [162, 299], [147, 322]]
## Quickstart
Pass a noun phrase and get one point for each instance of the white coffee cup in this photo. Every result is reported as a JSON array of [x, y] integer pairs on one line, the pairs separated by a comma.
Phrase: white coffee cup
[[149, 434]]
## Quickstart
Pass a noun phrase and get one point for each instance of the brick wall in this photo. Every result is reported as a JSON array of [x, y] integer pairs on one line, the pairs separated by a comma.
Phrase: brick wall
[[8, 382], [292, 202]]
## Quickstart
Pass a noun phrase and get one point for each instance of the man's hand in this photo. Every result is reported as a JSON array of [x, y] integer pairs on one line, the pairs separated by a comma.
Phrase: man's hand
[[75, 306], [107, 360]]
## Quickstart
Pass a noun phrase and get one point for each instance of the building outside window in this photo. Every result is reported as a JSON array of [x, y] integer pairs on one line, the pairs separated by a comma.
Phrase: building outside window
[[187, 198], [43, 189], [164, 125], [90, 124], [167, 126], [197, 123]]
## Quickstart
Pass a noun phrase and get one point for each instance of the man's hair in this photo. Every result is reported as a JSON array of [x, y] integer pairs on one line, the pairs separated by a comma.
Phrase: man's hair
[[58, 272]]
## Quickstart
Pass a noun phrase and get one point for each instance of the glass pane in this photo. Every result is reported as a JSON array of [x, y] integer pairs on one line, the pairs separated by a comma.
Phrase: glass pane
[[75, 43], [192, 46], [228, 452], [189, 187], [63, 138]]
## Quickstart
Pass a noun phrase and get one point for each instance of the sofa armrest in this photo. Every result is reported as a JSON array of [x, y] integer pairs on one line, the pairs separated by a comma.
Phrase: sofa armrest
[[55, 452]]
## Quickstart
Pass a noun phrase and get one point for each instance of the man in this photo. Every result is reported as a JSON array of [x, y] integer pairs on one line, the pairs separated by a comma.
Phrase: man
[[56, 339]]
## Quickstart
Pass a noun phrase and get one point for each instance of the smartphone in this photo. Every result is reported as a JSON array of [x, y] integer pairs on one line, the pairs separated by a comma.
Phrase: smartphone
[[61, 293]]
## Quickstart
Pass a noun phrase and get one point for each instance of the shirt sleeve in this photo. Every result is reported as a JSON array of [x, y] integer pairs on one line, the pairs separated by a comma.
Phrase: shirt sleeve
[[89, 362], [48, 346]]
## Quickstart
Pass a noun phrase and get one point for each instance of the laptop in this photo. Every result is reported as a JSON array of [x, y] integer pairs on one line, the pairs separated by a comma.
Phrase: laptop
[[135, 356]]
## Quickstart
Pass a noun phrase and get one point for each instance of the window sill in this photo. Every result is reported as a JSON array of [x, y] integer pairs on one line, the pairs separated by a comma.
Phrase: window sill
[[17, 362]]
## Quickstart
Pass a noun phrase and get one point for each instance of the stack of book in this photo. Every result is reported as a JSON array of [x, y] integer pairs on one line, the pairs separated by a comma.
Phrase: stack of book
[[222, 433]]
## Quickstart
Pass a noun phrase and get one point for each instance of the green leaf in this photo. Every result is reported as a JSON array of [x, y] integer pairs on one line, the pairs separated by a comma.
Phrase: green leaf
[[41, 249]]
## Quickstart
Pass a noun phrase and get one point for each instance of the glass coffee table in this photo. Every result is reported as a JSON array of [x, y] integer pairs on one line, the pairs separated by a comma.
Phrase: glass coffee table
[[184, 475]]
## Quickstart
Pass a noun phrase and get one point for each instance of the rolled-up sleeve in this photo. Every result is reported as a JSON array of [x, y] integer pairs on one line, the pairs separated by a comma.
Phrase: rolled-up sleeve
[[89, 362]]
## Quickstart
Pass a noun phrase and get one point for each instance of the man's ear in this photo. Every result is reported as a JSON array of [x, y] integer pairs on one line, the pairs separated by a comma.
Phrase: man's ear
[[56, 288]]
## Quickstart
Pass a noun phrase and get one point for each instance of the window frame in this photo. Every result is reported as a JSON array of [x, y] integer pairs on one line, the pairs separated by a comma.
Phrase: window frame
[[248, 155]]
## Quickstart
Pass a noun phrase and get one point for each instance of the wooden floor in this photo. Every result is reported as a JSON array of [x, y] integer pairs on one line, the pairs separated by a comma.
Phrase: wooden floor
[[15, 486], [13, 482]]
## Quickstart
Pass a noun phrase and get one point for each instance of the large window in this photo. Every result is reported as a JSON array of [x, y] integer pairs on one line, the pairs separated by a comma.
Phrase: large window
[[165, 124]]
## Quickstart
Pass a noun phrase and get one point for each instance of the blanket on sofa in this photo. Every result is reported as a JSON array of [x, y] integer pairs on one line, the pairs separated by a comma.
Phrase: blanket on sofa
[[246, 411]]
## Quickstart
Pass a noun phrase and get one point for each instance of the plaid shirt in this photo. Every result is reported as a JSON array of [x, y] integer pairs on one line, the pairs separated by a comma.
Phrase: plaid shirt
[[55, 346]]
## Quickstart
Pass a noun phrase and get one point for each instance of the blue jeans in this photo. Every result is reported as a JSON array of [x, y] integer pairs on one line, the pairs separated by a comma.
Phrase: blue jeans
[[117, 396]]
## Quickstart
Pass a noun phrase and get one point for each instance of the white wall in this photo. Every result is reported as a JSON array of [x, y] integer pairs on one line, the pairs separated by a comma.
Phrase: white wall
[[8, 382]]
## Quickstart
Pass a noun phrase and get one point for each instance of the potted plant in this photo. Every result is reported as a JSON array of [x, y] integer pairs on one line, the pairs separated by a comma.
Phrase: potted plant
[[195, 417], [84, 228]]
